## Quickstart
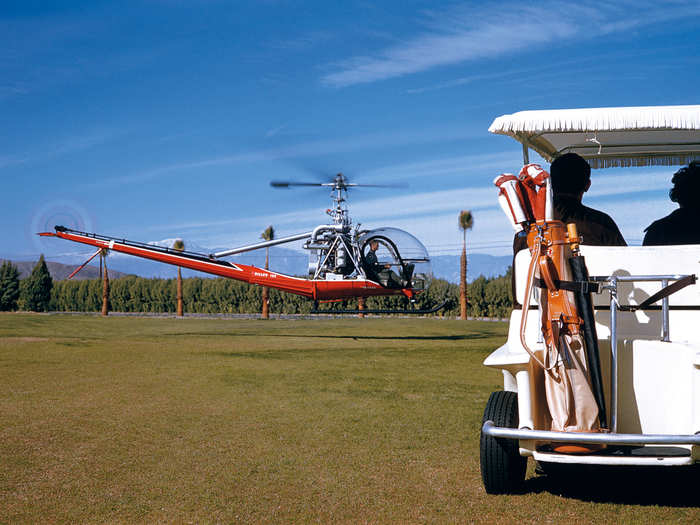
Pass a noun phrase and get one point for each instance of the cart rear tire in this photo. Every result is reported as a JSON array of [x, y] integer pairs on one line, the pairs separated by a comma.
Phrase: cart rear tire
[[502, 466]]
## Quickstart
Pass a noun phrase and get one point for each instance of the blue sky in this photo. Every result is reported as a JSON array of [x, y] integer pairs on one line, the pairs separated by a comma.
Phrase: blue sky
[[153, 120]]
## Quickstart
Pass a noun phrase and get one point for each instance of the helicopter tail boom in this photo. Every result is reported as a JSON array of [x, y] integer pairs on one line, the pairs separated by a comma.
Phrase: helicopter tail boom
[[339, 289], [191, 260]]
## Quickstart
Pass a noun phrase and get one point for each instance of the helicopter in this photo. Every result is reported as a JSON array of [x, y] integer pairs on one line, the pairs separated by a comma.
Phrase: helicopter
[[340, 265]]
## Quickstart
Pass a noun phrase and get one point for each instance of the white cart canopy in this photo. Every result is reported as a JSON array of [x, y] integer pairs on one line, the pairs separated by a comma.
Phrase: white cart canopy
[[608, 137]]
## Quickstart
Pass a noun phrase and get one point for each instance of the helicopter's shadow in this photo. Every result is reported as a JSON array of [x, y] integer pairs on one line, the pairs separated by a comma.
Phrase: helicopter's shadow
[[460, 337], [666, 486]]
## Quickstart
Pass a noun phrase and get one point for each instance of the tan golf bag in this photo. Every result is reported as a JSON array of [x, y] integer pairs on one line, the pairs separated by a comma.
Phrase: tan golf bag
[[571, 403]]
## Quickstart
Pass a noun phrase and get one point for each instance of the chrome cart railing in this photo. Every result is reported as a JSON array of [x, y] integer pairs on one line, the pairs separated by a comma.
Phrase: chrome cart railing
[[610, 284]]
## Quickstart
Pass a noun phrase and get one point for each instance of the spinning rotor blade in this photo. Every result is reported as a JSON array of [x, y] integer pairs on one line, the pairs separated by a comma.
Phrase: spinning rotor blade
[[338, 183], [283, 184], [379, 185], [323, 179]]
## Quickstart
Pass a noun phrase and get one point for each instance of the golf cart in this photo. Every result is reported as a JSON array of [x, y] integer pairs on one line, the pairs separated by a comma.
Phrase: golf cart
[[645, 313]]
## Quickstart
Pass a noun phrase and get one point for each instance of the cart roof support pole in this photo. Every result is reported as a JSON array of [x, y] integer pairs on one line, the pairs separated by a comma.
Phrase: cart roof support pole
[[664, 318]]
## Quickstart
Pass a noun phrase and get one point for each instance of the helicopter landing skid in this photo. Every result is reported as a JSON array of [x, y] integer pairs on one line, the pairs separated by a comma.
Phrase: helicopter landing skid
[[316, 310]]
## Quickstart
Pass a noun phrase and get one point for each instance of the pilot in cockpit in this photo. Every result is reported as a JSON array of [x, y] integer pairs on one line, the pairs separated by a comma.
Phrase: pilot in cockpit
[[383, 272]]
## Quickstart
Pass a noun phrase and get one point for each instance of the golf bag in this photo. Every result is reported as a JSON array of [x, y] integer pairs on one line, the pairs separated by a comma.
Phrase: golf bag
[[573, 404]]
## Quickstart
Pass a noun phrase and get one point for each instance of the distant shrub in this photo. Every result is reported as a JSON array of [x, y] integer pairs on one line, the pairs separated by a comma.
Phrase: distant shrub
[[35, 290], [9, 286], [486, 297]]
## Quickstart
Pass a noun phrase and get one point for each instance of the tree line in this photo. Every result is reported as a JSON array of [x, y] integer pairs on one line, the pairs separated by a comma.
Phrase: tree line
[[487, 297]]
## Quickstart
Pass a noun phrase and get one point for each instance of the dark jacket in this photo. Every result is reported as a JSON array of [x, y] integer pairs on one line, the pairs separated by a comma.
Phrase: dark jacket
[[371, 261], [594, 227], [679, 227]]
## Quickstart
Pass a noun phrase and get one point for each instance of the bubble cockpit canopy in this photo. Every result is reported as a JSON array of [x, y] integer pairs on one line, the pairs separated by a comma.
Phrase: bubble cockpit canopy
[[406, 257]]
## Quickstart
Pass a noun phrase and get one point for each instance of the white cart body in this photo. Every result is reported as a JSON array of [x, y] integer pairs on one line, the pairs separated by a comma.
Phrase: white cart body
[[650, 358]]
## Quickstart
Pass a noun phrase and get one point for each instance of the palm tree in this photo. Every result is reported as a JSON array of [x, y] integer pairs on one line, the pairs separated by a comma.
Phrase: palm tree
[[105, 281], [179, 246], [268, 235], [466, 221]]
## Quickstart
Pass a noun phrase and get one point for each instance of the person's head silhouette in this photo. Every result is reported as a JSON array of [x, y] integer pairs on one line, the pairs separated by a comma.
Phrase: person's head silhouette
[[686, 186], [571, 175]]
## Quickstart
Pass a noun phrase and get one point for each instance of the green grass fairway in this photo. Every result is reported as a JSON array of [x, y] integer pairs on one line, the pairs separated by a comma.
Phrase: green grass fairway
[[286, 421]]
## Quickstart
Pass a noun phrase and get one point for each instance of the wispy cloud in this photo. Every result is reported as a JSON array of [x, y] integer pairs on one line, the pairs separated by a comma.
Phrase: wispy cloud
[[65, 146], [274, 131], [302, 42], [314, 148], [49, 49], [605, 184], [466, 34], [459, 165], [12, 89], [544, 72], [391, 208], [81, 142], [9, 160], [627, 216]]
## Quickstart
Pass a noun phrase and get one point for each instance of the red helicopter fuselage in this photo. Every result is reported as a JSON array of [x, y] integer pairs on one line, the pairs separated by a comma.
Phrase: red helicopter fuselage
[[315, 289]]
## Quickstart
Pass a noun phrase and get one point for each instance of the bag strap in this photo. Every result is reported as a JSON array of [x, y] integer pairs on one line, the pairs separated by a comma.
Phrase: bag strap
[[572, 286], [526, 301], [666, 291]]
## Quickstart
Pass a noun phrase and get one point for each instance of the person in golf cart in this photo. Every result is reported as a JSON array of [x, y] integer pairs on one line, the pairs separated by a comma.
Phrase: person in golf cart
[[681, 226], [648, 352], [571, 178]]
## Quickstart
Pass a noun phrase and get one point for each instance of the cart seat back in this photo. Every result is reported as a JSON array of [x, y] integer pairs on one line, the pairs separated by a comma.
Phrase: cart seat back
[[684, 314]]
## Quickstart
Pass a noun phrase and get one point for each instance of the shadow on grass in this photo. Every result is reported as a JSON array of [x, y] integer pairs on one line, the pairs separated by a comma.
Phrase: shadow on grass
[[461, 337], [665, 486]]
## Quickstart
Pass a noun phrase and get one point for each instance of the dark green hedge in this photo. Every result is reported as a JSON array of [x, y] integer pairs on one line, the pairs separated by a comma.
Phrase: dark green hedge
[[487, 297]]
